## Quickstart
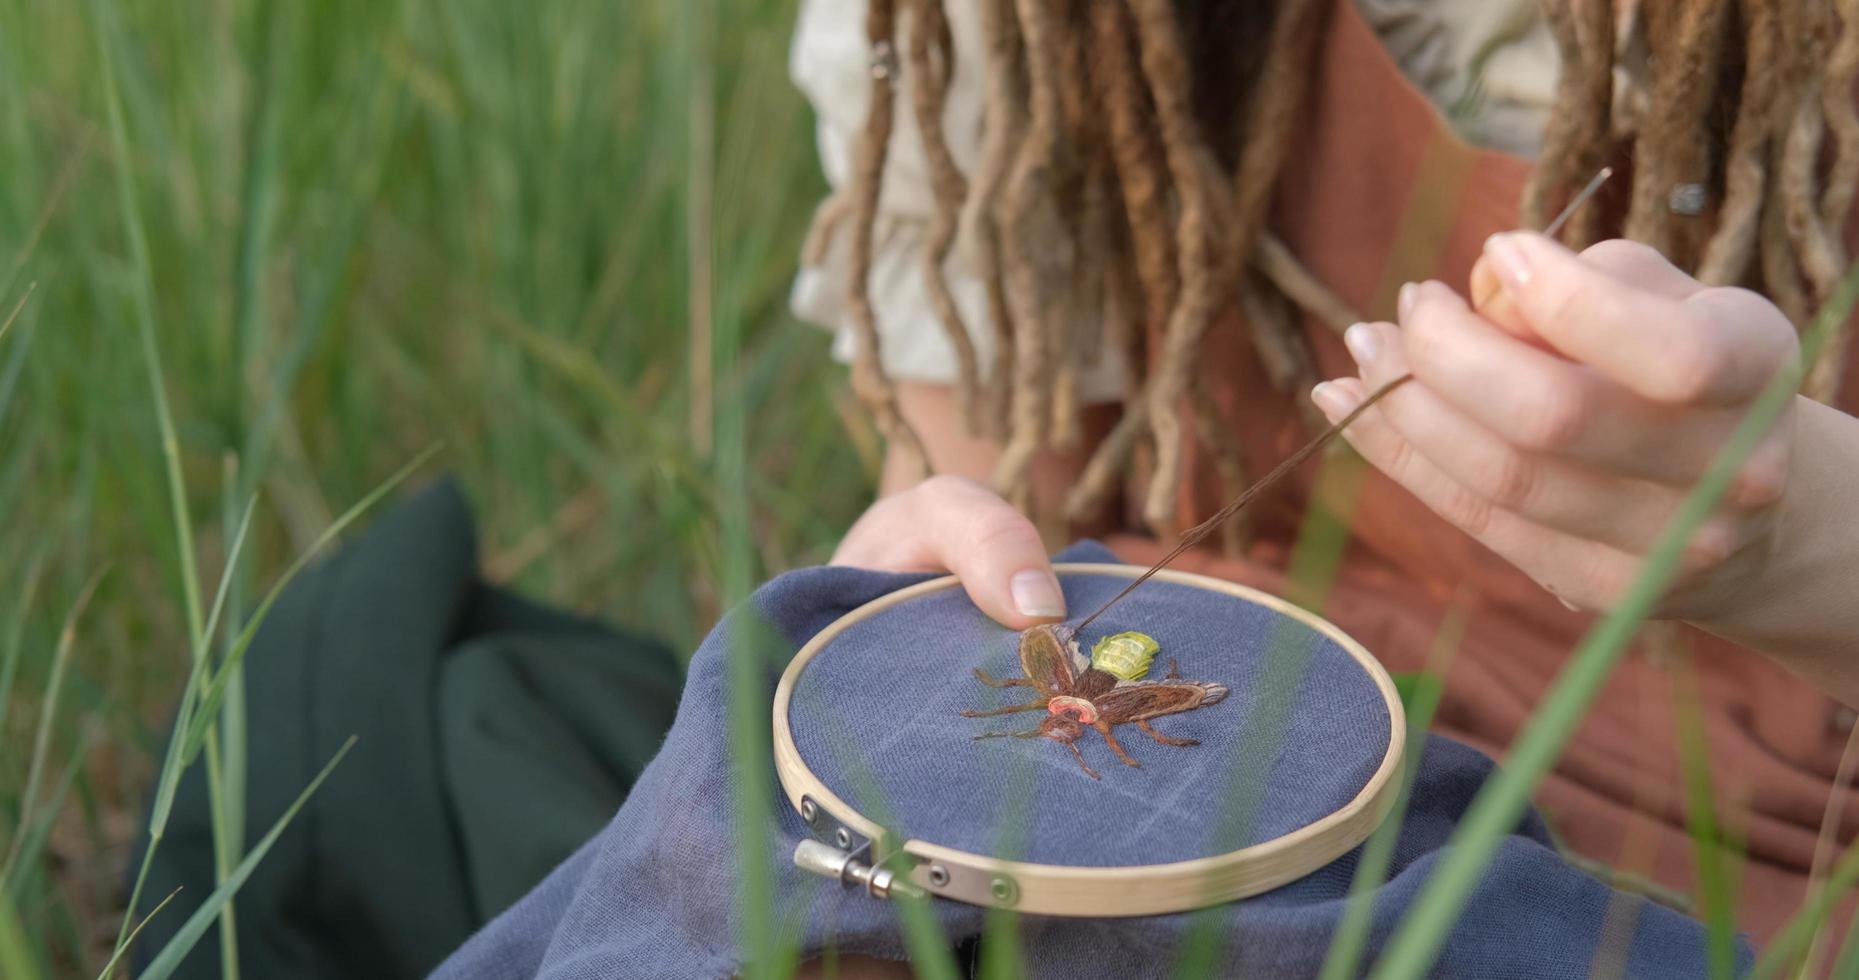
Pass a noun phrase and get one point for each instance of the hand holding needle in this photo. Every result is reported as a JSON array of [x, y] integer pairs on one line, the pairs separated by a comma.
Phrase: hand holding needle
[[1486, 289]]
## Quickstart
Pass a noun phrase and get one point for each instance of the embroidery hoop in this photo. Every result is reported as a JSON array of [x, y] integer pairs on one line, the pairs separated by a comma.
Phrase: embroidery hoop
[[849, 846]]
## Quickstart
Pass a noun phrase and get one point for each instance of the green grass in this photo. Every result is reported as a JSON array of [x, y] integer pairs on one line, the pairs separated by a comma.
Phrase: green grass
[[311, 241]]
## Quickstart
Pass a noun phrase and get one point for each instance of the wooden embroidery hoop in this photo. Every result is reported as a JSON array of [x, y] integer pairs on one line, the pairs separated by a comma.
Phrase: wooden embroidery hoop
[[847, 845]]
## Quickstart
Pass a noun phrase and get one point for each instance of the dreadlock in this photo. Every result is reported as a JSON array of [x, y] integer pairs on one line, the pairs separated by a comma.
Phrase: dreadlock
[[868, 377], [1037, 260], [930, 57], [1131, 148]]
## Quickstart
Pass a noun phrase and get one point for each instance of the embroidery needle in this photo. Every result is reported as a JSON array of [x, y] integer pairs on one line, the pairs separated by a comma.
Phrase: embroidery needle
[[1199, 532]]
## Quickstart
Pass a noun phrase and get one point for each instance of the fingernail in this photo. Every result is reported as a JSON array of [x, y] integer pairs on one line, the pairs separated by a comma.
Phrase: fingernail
[[1335, 400], [1362, 342], [1404, 301], [1036, 593], [1570, 606], [1508, 260]]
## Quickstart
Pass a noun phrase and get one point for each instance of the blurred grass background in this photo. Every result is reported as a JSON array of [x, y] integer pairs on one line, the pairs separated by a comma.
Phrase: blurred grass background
[[550, 235]]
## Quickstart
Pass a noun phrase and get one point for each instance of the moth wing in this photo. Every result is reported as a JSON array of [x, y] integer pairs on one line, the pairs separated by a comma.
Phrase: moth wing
[[1152, 699], [1046, 661]]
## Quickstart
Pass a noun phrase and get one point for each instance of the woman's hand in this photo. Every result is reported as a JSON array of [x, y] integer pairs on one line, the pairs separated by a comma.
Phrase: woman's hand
[[949, 523], [1563, 429]]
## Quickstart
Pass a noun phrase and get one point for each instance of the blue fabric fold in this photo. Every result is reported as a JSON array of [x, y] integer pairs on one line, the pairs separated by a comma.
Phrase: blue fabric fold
[[655, 893]]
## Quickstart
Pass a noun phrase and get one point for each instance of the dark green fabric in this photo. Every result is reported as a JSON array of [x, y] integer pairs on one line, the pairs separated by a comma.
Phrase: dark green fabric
[[495, 736]]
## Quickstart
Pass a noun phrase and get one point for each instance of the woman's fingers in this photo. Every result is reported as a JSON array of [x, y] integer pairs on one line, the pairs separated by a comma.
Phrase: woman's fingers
[[1704, 348], [1566, 496], [1566, 435], [955, 524], [1578, 570], [1543, 403], [1627, 261], [1643, 266]]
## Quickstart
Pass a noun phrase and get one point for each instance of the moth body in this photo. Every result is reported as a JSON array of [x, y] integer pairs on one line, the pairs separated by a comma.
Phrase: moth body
[[1077, 694]]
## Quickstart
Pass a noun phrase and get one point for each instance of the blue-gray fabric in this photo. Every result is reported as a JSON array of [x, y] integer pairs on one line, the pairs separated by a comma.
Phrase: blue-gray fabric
[[655, 893], [909, 665]]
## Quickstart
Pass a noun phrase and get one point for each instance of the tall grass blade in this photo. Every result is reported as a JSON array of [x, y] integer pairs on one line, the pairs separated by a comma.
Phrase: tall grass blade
[[750, 736], [216, 689], [144, 295], [16, 956], [1311, 573], [10, 373], [7, 324], [1791, 941], [1847, 966], [29, 844], [229, 822], [924, 939], [194, 715], [1002, 954], [1827, 839], [699, 27], [67, 173], [233, 553], [1716, 879], [256, 200], [928, 945], [1345, 955], [16, 635], [227, 731], [166, 783], [48, 714], [116, 955], [1499, 805], [183, 942], [752, 797]]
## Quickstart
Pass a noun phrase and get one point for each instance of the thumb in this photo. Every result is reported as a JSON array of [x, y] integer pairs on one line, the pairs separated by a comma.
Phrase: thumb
[[1491, 301], [1626, 261], [1636, 333], [958, 525]]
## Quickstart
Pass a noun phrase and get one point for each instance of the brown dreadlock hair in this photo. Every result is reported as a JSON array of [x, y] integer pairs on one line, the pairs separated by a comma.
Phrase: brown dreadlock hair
[[1130, 151]]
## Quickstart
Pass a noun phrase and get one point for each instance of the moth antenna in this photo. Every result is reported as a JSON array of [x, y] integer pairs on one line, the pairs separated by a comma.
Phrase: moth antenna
[[1029, 734]]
